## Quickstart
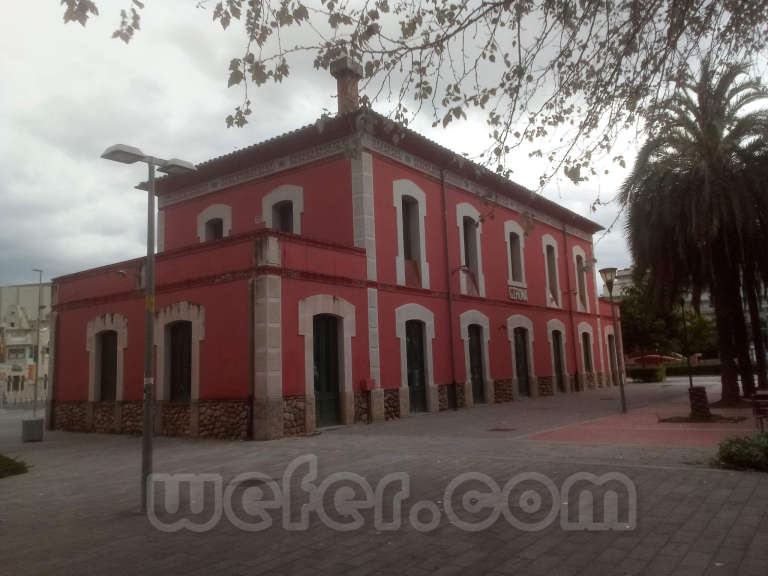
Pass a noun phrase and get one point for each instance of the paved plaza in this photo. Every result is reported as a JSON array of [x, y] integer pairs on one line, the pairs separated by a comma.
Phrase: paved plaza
[[76, 511]]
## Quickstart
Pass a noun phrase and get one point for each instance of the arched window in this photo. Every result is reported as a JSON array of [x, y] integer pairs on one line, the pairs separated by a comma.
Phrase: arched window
[[515, 239], [580, 271], [549, 244], [214, 223], [410, 204], [214, 229], [282, 208], [282, 216], [472, 279]]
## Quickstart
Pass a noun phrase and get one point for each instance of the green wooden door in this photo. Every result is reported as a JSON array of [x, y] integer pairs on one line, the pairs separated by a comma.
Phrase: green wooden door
[[414, 344], [476, 363], [326, 336]]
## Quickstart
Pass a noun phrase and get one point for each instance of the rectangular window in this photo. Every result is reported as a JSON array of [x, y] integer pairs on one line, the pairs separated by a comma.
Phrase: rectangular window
[[282, 216], [411, 244], [516, 257], [580, 283], [553, 288]]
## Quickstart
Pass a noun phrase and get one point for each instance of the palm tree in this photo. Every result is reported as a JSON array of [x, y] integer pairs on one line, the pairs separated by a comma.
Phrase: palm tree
[[697, 206]]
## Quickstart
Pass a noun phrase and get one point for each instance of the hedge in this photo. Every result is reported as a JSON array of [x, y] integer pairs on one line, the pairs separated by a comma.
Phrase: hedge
[[648, 373], [701, 370]]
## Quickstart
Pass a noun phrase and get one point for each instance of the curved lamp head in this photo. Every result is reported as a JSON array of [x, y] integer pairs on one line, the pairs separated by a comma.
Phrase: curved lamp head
[[123, 153], [176, 166], [608, 275]]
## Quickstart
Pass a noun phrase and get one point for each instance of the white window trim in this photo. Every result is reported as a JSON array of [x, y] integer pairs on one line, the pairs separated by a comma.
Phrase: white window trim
[[509, 227], [103, 323], [285, 192], [465, 209], [194, 313], [548, 240], [402, 188], [326, 304], [585, 327], [213, 211], [579, 251], [552, 325], [465, 320]]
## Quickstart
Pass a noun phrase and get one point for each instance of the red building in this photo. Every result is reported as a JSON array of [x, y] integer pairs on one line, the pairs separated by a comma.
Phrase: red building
[[346, 270]]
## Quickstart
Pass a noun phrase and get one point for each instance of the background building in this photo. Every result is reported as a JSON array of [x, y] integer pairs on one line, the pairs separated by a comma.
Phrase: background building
[[18, 342]]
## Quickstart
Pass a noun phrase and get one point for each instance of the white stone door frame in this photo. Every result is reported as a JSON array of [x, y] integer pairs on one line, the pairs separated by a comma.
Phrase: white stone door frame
[[520, 321], [552, 325], [403, 314], [586, 327], [466, 319], [608, 331], [309, 308], [106, 322], [176, 312]]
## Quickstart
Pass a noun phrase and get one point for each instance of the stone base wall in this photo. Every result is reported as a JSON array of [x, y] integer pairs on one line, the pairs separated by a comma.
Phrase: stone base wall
[[70, 416], [503, 390], [459, 395], [590, 381], [442, 398], [293, 415], [104, 417], [361, 407], [391, 404], [223, 419], [546, 386], [175, 420], [132, 418]]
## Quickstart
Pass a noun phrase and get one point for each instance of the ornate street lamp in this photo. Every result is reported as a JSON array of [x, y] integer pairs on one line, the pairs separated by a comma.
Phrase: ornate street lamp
[[130, 155], [609, 276]]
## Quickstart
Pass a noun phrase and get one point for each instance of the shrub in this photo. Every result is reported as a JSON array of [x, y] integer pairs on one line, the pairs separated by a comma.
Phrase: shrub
[[10, 466], [700, 370], [744, 453], [648, 373]]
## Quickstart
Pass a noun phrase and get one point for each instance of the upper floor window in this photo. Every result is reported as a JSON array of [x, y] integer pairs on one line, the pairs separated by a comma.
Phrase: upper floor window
[[411, 262], [580, 270], [214, 223], [551, 271], [214, 229], [282, 208], [472, 279], [515, 239]]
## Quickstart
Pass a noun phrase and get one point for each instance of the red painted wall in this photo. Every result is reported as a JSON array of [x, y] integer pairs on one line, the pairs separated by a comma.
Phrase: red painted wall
[[327, 204]]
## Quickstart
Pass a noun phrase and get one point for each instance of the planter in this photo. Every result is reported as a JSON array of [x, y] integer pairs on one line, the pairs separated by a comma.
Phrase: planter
[[32, 430]]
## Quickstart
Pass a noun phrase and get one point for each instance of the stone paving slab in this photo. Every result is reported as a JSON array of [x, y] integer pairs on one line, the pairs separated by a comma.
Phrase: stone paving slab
[[76, 512]]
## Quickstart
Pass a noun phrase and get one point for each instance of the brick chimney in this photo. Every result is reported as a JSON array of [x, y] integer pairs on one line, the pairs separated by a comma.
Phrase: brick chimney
[[347, 73]]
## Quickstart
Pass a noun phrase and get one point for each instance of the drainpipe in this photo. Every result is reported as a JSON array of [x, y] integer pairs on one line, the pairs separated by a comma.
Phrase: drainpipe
[[448, 279], [251, 358], [570, 305]]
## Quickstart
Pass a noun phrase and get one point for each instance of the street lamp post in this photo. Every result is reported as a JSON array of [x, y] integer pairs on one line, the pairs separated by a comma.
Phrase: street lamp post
[[37, 342], [609, 275], [130, 155]]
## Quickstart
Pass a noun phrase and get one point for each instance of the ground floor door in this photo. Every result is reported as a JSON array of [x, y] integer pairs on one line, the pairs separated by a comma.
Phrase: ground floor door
[[180, 370], [417, 382], [557, 356], [612, 356], [476, 363], [326, 341], [522, 364]]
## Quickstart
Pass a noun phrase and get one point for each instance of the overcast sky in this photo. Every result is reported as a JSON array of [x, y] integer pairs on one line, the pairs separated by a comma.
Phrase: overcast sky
[[68, 92]]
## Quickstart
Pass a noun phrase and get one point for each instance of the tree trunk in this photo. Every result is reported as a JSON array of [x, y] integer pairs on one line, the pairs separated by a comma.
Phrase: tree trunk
[[728, 376], [757, 332], [742, 350]]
